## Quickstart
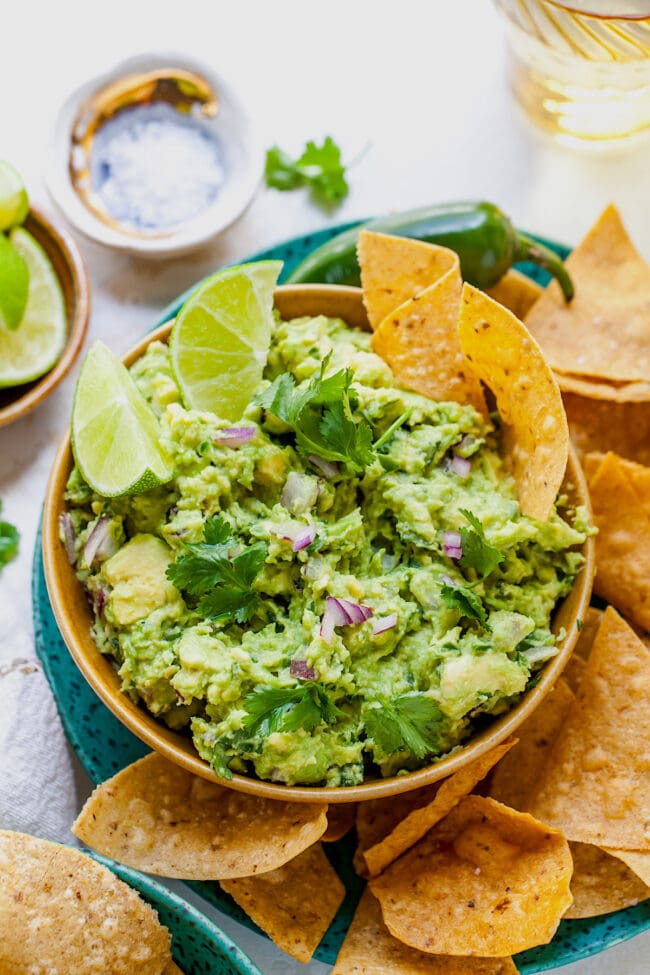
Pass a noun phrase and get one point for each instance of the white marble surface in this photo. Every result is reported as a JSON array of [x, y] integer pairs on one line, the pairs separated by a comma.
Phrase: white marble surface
[[418, 86]]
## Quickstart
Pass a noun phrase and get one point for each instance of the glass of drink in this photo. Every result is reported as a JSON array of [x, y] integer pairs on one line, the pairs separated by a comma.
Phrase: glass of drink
[[580, 69]]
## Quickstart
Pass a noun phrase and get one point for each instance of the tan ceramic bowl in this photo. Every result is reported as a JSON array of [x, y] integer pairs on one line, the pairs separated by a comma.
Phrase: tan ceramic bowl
[[74, 616], [16, 401]]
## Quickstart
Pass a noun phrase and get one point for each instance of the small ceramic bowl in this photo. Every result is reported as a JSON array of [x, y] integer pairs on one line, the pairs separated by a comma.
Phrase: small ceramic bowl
[[199, 947], [16, 401], [206, 100], [74, 617]]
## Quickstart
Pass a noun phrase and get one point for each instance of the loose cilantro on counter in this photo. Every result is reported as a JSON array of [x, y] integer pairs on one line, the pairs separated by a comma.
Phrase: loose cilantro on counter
[[9, 539], [319, 167], [411, 722], [221, 576]]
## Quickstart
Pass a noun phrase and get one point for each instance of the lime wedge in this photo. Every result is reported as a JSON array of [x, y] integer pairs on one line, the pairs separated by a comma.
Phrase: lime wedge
[[33, 348], [14, 204], [220, 341], [14, 284], [115, 435]]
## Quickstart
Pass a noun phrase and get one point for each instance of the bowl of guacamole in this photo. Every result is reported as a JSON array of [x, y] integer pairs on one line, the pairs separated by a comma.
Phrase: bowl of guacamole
[[302, 626]]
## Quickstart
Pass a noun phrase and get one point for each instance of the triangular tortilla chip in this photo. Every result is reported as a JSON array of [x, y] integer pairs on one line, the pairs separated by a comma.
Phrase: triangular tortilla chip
[[604, 332], [172, 969], [511, 364], [518, 772], [605, 391], [340, 820], [395, 269], [419, 341], [484, 881], [376, 818], [623, 428], [637, 474], [295, 904], [601, 883], [370, 949], [636, 860], [61, 911], [596, 786], [157, 817], [622, 542], [419, 821], [515, 292]]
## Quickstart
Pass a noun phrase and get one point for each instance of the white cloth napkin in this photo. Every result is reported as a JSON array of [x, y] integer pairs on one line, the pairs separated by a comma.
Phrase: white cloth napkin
[[37, 786]]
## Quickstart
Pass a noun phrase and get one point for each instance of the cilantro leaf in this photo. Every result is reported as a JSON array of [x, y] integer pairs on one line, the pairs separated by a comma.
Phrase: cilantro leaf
[[271, 709], [9, 538], [319, 167], [411, 722], [321, 416], [477, 552], [220, 575], [219, 763], [465, 600]]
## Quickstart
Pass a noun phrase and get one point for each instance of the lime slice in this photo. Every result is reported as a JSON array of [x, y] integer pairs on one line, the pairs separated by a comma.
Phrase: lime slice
[[33, 349], [115, 435], [14, 284], [14, 204], [221, 338]]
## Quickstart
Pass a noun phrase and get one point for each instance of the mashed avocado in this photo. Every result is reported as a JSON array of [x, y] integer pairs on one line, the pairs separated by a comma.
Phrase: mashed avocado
[[312, 620]]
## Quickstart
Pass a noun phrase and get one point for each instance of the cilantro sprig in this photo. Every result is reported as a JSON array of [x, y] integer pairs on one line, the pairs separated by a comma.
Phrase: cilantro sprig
[[477, 552], [321, 416], [465, 600], [220, 574], [271, 709], [319, 167], [410, 722]]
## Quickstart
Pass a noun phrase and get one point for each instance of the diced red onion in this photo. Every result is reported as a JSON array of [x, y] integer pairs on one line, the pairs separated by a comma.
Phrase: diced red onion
[[342, 612], [300, 492], [301, 669], [100, 601], [452, 545], [382, 623], [100, 543], [461, 465], [304, 538], [328, 468], [235, 436], [67, 527]]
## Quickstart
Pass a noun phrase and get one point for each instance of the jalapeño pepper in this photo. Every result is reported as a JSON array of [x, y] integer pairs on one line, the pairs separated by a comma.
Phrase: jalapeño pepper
[[480, 233]]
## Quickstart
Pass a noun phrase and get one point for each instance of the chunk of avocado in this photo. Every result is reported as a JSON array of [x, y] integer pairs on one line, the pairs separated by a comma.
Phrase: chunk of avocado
[[136, 575]]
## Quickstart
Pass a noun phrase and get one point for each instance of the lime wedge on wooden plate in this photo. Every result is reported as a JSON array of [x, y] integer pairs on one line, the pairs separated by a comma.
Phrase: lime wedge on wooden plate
[[115, 435], [14, 284], [37, 343], [14, 204], [220, 341]]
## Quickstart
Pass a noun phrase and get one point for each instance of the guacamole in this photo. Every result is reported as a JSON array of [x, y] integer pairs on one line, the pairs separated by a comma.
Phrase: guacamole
[[311, 620]]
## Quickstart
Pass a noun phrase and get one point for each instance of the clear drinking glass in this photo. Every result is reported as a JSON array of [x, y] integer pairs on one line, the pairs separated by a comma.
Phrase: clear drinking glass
[[581, 68]]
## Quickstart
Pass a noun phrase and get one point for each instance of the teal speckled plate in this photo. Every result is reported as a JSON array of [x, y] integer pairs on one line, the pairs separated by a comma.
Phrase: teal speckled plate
[[104, 746], [199, 947]]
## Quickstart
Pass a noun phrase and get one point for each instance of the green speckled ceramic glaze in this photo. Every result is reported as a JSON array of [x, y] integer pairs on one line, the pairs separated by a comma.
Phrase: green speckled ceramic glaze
[[104, 746]]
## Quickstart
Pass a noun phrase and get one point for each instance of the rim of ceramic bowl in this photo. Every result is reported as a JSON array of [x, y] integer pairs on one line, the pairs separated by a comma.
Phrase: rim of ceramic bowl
[[73, 278], [231, 203], [74, 617]]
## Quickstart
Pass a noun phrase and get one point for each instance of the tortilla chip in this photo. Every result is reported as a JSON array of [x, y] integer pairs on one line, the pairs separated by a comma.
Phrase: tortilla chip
[[605, 391], [574, 671], [376, 818], [61, 911], [604, 332], [396, 269], [596, 786], [340, 820], [370, 949], [591, 622], [419, 341], [419, 821], [637, 474], [596, 425], [637, 860], [295, 904], [516, 292], [622, 542], [485, 881], [157, 817], [172, 969], [602, 884], [516, 775], [509, 361]]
